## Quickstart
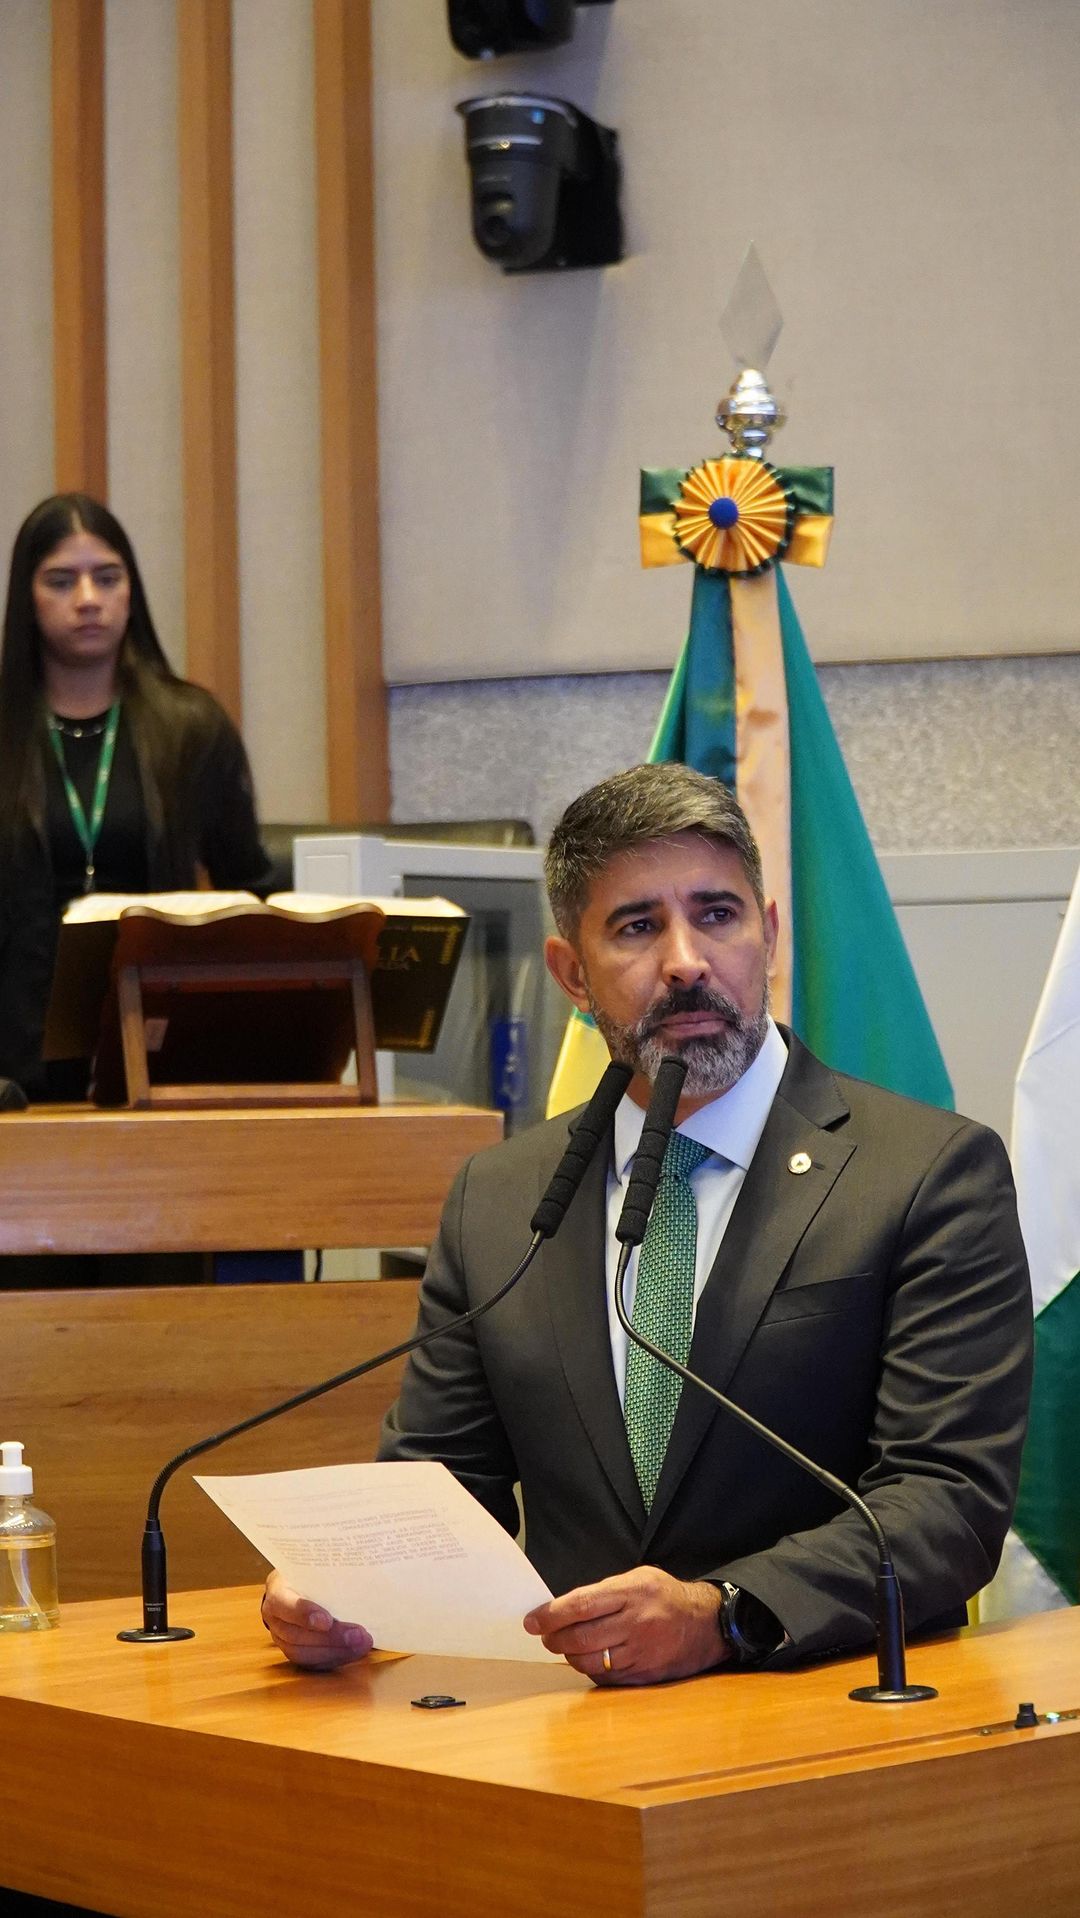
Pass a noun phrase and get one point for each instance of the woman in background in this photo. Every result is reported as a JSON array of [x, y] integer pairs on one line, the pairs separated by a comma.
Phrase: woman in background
[[115, 774]]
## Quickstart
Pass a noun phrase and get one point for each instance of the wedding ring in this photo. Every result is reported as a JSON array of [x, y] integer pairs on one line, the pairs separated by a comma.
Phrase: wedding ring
[[607, 1659]]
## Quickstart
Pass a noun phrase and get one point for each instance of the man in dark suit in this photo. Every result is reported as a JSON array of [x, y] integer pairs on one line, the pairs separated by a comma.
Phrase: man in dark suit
[[854, 1277]]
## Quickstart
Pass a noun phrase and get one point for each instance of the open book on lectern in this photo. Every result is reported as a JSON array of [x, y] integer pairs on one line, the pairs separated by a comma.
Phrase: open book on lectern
[[213, 988]]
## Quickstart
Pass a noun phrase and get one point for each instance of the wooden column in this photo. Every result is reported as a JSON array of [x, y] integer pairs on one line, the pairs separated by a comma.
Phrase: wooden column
[[208, 347], [78, 202], [358, 781]]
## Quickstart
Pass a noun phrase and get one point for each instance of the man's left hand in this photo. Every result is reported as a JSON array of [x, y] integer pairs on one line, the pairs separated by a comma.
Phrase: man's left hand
[[650, 1626]]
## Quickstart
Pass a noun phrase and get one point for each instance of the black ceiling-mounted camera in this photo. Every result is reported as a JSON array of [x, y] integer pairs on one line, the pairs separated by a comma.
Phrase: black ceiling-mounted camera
[[481, 28], [545, 183]]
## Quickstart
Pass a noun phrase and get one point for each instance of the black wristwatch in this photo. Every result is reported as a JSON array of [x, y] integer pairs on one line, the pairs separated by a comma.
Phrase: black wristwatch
[[749, 1630]]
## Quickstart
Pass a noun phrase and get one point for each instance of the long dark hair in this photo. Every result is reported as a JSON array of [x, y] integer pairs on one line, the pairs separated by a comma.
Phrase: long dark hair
[[145, 676]]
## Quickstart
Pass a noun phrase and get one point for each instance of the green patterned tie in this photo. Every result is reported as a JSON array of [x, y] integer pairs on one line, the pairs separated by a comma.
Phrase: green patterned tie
[[663, 1311]]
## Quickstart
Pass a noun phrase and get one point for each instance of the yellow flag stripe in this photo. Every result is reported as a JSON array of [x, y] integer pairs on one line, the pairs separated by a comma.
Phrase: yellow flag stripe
[[810, 540], [582, 1061], [658, 547], [763, 755]]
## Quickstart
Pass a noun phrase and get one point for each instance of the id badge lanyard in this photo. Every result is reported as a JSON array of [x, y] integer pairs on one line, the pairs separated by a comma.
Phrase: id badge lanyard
[[88, 831]]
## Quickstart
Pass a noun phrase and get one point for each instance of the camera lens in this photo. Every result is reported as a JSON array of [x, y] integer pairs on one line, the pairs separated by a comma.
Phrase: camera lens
[[472, 28], [494, 228]]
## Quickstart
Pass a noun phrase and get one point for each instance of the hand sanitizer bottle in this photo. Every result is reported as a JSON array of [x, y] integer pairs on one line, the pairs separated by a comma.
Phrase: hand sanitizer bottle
[[28, 1601]]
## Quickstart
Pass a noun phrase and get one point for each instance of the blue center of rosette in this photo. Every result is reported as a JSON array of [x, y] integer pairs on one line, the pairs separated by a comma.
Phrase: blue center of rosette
[[723, 512]]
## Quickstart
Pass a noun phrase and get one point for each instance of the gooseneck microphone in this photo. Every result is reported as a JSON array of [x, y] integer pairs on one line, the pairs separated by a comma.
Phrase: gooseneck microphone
[[649, 1157], [584, 1139], [588, 1131], [892, 1687]]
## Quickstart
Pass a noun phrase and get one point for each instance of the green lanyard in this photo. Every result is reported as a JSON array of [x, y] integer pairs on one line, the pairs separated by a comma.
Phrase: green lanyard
[[88, 834]]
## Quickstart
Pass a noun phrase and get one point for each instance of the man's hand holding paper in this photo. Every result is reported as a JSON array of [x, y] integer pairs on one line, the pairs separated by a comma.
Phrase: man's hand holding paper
[[402, 1546], [306, 1633]]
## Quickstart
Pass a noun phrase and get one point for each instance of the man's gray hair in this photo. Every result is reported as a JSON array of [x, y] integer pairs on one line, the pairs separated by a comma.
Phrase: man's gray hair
[[632, 809]]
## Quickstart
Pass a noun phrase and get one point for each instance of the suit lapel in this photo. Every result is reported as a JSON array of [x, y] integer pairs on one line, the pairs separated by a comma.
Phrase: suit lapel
[[574, 1267], [771, 1214]]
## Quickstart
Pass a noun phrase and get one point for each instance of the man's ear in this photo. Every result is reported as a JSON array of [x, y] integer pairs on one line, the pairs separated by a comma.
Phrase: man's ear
[[770, 922], [565, 967]]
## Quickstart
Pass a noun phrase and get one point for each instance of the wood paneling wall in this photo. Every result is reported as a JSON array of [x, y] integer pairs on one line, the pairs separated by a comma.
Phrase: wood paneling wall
[[104, 1386], [358, 779], [341, 134], [208, 347], [78, 160]]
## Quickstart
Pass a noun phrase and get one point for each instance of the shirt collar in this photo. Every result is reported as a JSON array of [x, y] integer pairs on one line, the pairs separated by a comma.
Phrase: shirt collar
[[730, 1125]]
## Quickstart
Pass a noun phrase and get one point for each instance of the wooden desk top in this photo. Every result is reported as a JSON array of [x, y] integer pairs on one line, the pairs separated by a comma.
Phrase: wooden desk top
[[772, 1793], [79, 1179]]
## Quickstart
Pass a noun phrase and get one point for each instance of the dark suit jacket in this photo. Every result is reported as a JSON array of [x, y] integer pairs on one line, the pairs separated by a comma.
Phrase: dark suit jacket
[[211, 824], [875, 1310]]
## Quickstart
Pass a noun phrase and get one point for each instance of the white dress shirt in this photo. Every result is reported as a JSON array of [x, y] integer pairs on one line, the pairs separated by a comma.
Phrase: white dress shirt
[[730, 1126]]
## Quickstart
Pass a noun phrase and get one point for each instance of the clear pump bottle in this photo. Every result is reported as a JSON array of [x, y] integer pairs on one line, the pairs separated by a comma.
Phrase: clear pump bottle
[[28, 1600]]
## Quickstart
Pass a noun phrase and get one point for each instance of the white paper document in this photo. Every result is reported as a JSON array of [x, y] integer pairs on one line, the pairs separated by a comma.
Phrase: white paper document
[[400, 1548]]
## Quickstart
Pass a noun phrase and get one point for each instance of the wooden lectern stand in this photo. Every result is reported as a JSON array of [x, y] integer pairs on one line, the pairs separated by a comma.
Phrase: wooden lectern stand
[[252, 1008], [157, 1781], [209, 999]]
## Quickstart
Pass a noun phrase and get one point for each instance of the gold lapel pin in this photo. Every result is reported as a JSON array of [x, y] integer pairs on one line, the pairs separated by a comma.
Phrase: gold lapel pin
[[799, 1162]]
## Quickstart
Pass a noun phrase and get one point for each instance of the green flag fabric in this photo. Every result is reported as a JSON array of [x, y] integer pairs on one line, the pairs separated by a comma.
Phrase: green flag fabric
[[855, 999], [1040, 1567]]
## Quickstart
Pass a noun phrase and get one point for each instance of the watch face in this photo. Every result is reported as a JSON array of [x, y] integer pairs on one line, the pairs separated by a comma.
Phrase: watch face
[[753, 1626]]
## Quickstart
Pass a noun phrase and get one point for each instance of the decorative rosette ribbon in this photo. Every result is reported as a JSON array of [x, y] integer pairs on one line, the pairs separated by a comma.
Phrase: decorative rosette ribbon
[[734, 516]]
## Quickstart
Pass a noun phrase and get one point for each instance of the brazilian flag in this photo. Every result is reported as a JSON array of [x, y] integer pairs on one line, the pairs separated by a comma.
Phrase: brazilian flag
[[744, 705]]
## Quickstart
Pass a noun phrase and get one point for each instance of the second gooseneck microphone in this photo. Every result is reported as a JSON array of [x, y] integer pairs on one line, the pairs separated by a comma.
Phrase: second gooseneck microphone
[[892, 1687], [649, 1157]]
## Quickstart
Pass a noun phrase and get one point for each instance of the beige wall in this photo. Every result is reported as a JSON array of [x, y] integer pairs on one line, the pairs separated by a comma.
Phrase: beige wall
[[911, 174], [277, 346], [142, 263], [277, 406], [26, 405], [909, 171]]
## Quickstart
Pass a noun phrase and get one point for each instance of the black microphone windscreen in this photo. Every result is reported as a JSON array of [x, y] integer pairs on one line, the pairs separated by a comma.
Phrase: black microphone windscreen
[[649, 1157], [586, 1136]]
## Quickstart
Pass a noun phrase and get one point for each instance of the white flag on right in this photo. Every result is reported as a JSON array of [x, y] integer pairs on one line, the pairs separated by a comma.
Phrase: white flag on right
[[1040, 1566]]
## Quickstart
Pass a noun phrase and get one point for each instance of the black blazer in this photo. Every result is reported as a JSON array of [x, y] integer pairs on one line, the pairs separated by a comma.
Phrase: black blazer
[[875, 1310], [213, 827]]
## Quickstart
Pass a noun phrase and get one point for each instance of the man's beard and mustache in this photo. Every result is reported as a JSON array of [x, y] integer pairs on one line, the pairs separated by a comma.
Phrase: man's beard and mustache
[[714, 1060]]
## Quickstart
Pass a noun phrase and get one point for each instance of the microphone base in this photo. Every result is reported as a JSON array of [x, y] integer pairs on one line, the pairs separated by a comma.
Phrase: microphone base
[[145, 1637], [887, 1695]]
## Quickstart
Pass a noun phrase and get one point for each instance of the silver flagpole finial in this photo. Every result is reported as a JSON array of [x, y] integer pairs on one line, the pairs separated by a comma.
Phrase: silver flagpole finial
[[751, 323]]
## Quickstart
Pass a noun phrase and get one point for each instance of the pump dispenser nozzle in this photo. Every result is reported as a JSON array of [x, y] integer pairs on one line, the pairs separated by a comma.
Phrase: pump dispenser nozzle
[[16, 1479]]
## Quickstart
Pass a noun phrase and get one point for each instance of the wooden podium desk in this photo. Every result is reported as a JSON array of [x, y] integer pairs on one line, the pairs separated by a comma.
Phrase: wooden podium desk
[[81, 1179], [208, 1777]]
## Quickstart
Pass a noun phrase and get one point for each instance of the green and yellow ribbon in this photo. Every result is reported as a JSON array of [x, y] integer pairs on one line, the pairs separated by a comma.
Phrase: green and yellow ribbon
[[735, 515], [735, 518]]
